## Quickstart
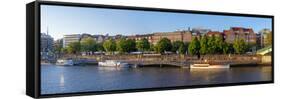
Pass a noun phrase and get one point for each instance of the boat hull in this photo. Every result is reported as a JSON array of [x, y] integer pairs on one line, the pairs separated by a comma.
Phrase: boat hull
[[208, 66]]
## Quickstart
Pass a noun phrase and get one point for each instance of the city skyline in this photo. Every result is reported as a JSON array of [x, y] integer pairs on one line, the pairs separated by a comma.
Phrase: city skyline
[[62, 20]]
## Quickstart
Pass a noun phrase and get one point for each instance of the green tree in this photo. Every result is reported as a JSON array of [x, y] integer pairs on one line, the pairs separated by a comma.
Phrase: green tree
[[204, 45], [109, 46], [143, 45], [268, 39], [226, 48], [163, 45], [194, 46], [100, 47], [64, 50], [131, 45], [218, 44], [124, 45], [58, 47], [73, 48], [239, 46], [182, 49], [211, 45], [152, 47], [176, 45], [88, 45]]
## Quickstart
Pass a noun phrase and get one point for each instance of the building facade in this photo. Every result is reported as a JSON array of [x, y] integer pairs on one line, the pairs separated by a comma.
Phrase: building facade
[[153, 38], [263, 37], [215, 33], [184, 36], [246, 34], [46, 42], [70, 38], [47, 45]]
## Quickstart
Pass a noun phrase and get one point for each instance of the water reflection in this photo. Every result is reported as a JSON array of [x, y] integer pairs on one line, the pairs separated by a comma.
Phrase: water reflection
[[62, 80], [58, 79]]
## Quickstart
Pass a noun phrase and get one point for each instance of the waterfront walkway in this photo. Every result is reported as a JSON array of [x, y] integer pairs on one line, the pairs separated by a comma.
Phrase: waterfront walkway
[[179, 60]]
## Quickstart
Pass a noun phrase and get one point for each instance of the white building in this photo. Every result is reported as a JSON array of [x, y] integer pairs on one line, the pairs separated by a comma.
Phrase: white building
[[70, 38]]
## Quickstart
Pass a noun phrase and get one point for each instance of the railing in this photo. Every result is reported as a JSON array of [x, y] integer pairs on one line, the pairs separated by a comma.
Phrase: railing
[[265, 50]]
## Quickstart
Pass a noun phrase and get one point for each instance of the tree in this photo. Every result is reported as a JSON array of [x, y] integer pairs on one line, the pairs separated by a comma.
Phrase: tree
[[211, 45], [109, 46], [218, 44], [226, 48], [58, 47], [73, 48], [163, 45], [194, 46], [64, 50], [239, 46], [124, 45], [186, 47], [152, 47], [182, 49], [204, 45], [143, 45], [100, 47], [268, 38], [176, 45], [88, 45], [131, 45]]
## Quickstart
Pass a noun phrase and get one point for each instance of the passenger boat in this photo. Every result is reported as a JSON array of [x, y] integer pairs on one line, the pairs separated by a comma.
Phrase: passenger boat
[[113, 63], [208, 66], [65, 62]]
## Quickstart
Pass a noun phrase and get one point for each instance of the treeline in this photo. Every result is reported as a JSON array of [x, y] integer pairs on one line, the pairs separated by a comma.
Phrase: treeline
[[203, 45], [216, 45]]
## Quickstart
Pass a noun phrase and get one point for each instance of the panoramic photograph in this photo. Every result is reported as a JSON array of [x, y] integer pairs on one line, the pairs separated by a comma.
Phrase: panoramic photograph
[[87, 49]]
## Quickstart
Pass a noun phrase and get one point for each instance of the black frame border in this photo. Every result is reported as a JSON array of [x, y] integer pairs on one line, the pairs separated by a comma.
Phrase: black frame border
[[37, 29]]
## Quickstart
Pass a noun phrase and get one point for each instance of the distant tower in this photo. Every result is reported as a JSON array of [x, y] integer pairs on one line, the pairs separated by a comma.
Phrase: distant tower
[[47, 47]]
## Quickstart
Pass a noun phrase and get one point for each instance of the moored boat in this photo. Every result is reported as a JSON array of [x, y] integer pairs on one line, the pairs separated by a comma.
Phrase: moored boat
[[65, 62], [208, 66], [113, 63]]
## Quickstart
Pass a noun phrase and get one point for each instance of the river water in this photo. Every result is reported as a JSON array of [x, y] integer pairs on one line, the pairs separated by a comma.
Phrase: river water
[[71, 79]]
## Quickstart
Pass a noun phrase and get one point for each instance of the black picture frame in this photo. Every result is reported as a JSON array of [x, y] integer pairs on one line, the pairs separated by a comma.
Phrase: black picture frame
[[33, 82]]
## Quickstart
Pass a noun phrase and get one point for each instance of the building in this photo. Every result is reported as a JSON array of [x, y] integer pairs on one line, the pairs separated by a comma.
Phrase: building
[[240, 33], [46, 42], [199, 31], [100, 38], [70, 38], [263, 36], [46, 46], [183, 35], [153, 38], [215, 33], [139, 37]]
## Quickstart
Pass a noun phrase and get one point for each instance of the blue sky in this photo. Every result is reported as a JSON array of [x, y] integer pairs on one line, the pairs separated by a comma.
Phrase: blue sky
[[62, 20]]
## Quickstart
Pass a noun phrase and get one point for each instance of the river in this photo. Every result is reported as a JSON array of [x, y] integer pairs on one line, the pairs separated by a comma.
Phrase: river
[[71, 79]]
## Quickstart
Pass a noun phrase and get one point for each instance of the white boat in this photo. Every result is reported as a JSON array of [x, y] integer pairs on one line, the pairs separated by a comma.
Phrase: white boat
[[208, 66], [65, 62], [113, 63]]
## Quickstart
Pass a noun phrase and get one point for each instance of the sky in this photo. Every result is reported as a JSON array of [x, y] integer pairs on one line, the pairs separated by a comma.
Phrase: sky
[[62, 20]]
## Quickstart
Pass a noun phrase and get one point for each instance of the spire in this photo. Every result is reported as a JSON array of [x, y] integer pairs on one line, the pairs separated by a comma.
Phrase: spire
[[47, 30]]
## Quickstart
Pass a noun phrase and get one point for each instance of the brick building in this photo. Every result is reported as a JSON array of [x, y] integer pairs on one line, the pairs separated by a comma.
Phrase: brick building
[[153, 38], [239, 32]]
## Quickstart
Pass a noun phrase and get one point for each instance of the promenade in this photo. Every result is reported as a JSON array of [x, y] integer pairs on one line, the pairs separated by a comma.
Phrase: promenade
[[180, 60]]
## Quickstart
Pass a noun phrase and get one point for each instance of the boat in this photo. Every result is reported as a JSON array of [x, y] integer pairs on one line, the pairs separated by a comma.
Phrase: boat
[[113, 63], [65, 62], [208, 66]]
